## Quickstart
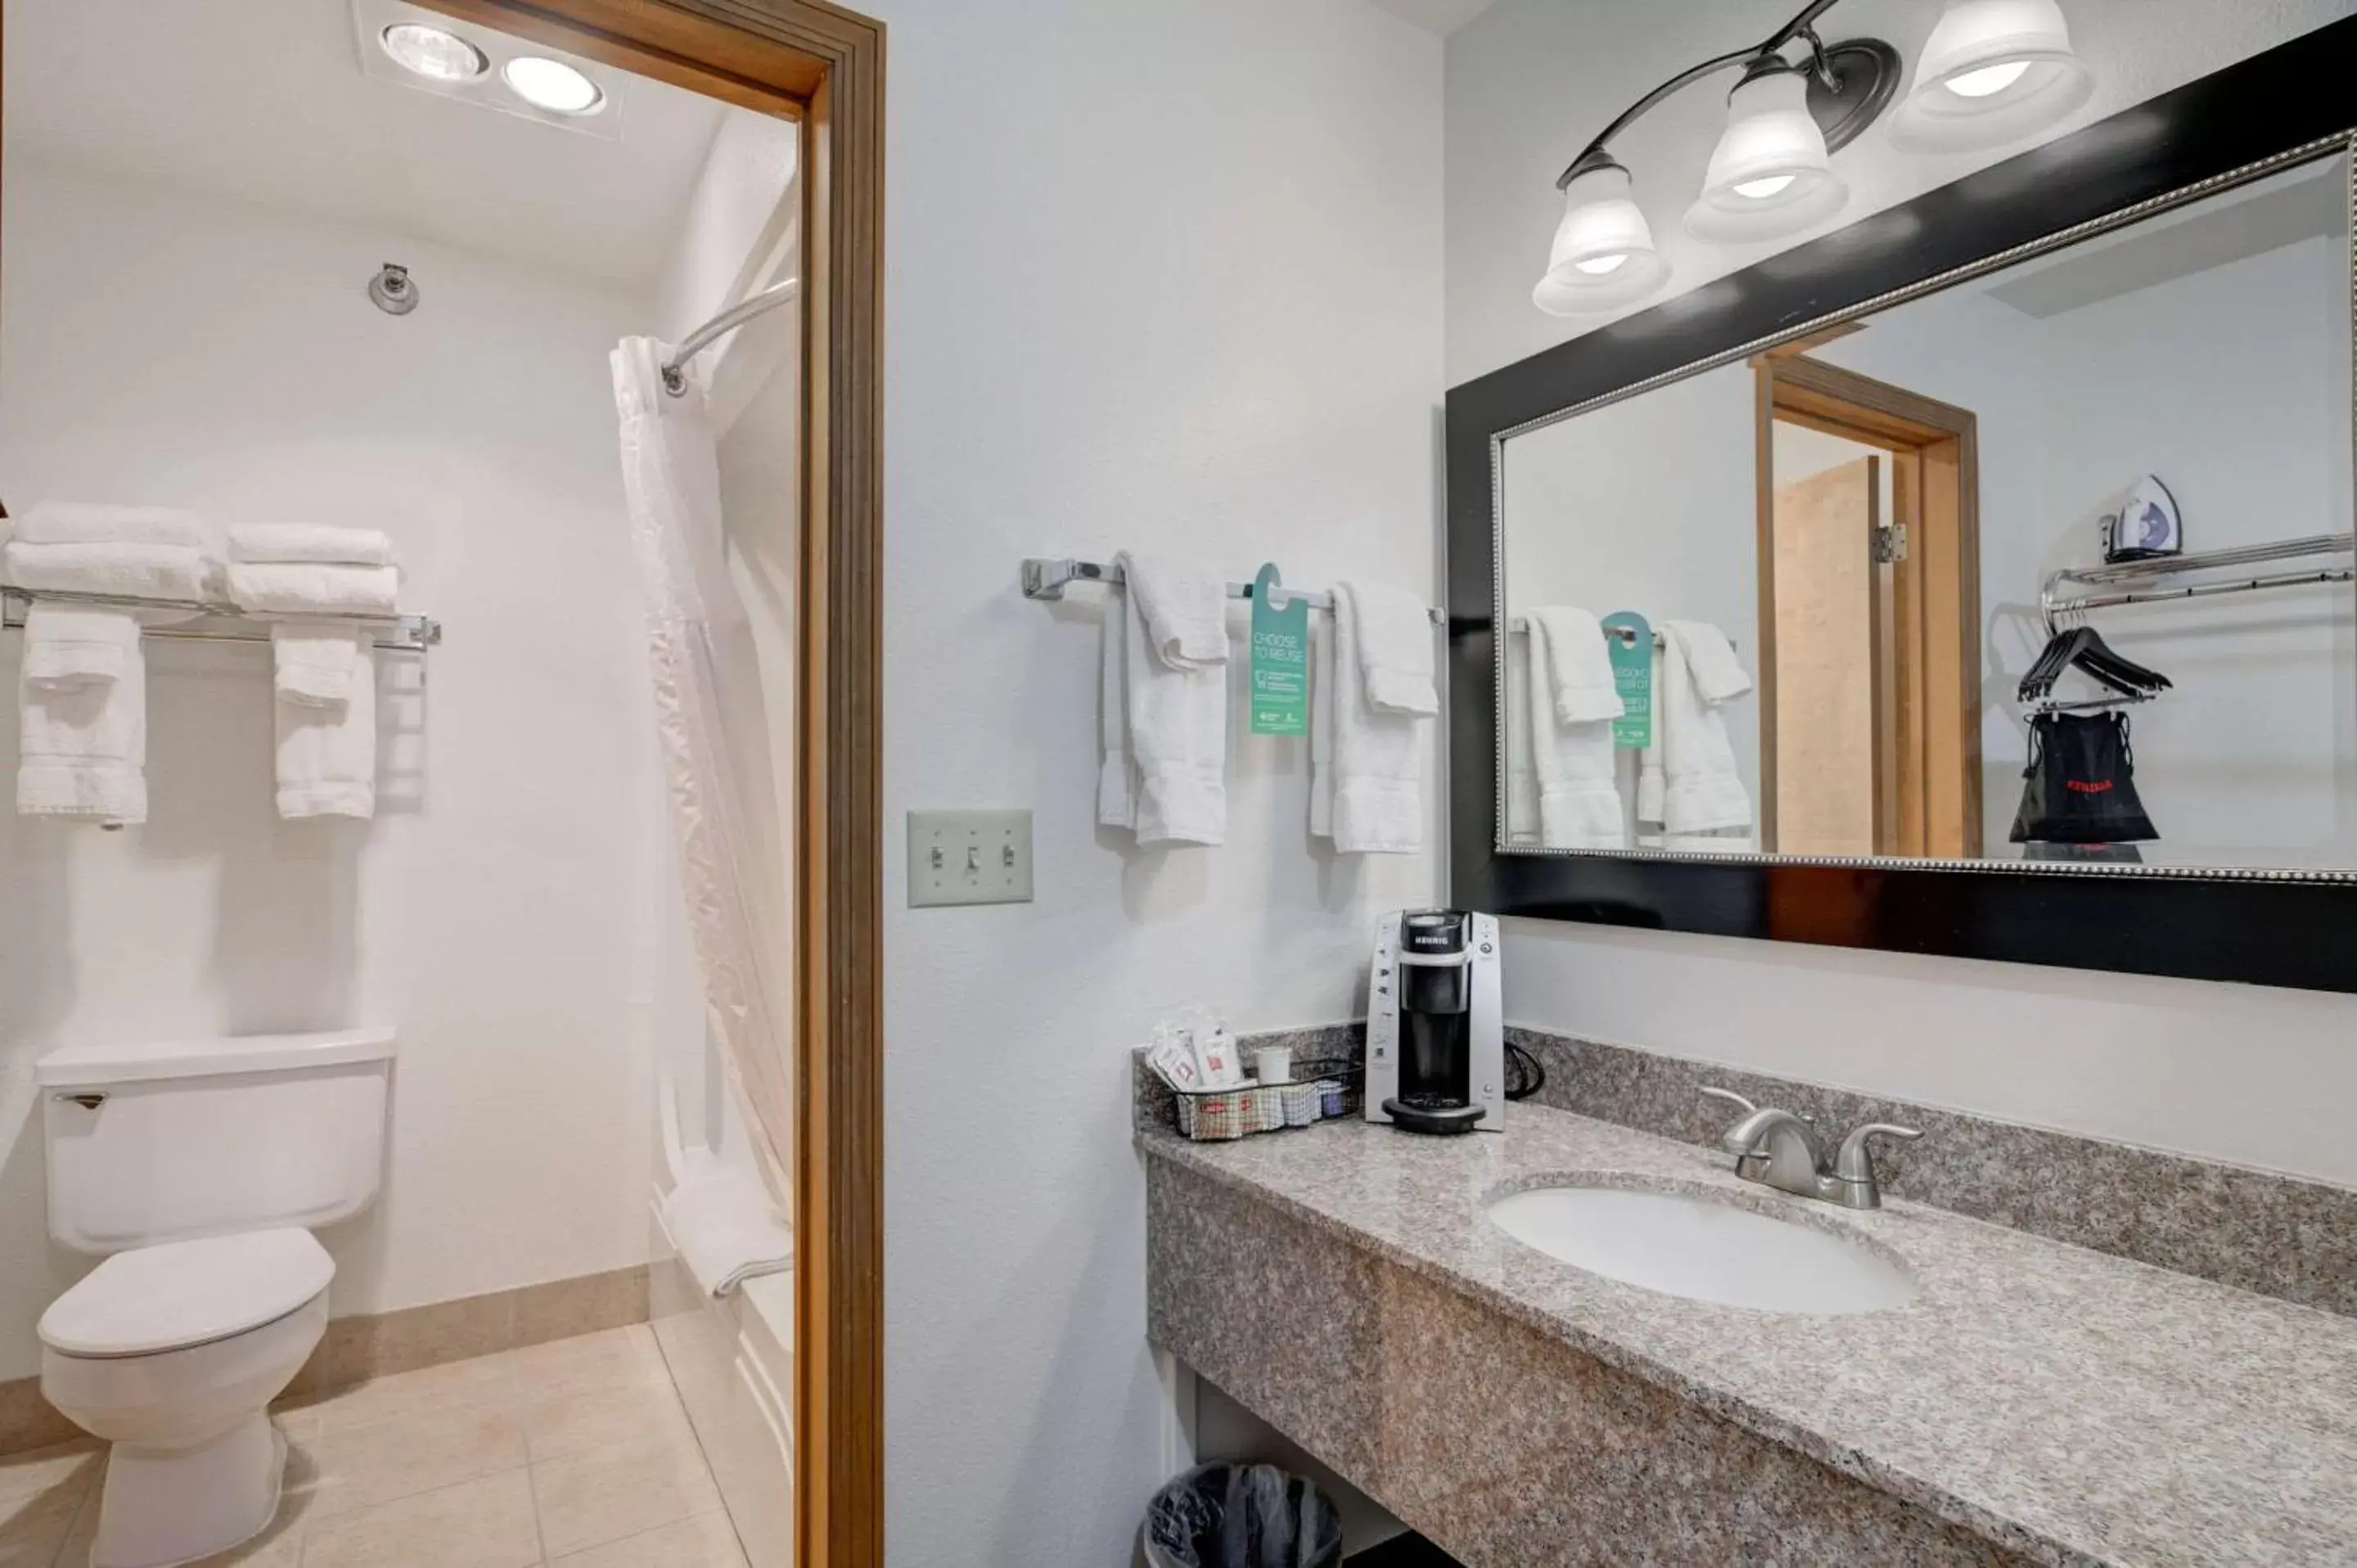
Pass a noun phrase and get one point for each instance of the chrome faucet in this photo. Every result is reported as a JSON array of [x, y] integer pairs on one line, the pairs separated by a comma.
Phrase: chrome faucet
[[1776, 1148]]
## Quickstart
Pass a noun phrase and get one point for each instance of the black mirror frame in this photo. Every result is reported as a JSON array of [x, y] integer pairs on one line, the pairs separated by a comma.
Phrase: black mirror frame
[[2287, 929]]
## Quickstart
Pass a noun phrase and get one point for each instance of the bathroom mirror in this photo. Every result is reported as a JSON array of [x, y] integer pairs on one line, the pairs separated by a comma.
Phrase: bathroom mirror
[[1974, 580], [1891, 520]]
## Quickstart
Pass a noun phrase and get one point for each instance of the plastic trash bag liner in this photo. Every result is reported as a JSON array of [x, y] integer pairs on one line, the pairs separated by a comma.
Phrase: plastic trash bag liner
[[1242, 1516]]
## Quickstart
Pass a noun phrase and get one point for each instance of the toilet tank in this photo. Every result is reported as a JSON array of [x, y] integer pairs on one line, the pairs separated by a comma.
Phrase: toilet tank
[[166, 1142]]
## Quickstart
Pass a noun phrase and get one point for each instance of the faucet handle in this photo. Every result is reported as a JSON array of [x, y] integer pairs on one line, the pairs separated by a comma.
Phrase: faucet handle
[[1730, 1096], [1855, 1162]]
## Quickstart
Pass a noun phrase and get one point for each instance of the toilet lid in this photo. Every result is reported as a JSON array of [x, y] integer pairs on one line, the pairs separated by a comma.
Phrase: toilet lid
[[184, 1293]]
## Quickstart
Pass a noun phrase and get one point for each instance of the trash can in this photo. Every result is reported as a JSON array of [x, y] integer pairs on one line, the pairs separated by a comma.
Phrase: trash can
[[1242, 1516]]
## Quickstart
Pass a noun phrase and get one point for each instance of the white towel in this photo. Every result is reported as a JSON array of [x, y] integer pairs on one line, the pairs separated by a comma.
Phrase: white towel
[[313, 661], [310, 588], [86, 522], [1652, 780], [1116, 770], [1186, 613], [123, 570], [1178, 712], [327, 755], [83, 743], [1378, 755], [1579, 665], [726, 1230], [1396, 638], [1321, 728], [1522, 770], [68, 645], [1579, 793], [308, 542], [1705, 792]]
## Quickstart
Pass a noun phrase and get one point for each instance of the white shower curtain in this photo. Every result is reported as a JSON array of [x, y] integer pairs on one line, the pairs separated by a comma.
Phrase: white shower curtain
[[710, 720]]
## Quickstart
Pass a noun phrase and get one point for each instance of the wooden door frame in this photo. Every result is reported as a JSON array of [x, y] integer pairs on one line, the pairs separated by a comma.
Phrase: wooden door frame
[[1791, 387], [824, 66]]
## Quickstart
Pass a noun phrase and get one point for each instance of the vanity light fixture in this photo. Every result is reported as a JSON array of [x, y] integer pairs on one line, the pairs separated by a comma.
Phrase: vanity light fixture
[[433, 53], [553, 85], [1993, 72]]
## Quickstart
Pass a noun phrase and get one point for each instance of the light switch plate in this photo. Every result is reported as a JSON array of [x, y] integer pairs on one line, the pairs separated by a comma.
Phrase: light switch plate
[[969, 857]]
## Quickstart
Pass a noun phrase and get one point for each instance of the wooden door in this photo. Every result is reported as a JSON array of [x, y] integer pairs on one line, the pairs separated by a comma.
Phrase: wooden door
[[1829, 663]]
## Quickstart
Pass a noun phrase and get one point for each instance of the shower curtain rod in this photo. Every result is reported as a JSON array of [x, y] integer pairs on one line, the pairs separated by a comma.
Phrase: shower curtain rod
[[675, 374]]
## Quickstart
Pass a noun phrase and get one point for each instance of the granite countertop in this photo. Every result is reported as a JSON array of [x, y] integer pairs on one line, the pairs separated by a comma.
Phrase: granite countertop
[[2065, 1403]]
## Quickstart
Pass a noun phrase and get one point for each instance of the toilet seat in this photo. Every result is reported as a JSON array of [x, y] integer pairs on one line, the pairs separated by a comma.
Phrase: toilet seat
[[154, 1300]]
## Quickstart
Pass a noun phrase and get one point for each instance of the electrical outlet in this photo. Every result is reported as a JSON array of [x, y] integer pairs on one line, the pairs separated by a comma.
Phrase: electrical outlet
[[969, 857]]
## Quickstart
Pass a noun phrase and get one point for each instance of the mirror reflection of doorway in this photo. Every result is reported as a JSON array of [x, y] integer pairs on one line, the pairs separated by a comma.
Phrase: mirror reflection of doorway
[[1869, 615]]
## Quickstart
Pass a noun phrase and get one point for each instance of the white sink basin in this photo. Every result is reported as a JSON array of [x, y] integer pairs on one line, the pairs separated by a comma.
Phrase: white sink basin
[[1704, 1250]]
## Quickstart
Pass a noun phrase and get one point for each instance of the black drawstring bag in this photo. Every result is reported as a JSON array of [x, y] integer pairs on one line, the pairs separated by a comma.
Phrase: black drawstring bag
[[2079, 786]]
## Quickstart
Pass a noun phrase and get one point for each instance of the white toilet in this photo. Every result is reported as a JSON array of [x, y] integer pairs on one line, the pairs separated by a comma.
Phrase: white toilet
[[199, 1168]]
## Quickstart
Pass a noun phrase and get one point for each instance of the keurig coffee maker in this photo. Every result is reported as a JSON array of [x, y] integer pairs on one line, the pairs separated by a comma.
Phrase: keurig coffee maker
[[1436, 1042]]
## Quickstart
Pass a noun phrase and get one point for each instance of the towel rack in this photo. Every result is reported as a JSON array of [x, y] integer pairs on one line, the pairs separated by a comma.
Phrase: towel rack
[[2055, 608], [226, 623], [1047, 576]]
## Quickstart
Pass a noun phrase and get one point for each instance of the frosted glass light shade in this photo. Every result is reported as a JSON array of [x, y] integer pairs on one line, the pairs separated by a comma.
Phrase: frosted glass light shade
[[433, 53], [1603, 255], [1769, 176], [1993, 72]]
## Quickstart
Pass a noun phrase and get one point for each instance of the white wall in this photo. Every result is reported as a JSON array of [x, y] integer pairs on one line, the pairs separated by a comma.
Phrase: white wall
[[170, 348], [2225, 1070], [1149, 284]]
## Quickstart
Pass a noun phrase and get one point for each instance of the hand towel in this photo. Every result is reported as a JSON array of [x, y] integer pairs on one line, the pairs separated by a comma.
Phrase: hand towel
[[1653, 779], [1116, 768], [1718, 675], [310, 588], [83, 743], [1579, 665], [1321, 727], [313, 661], [1186, 613], [327, 755], [1178, 711], [86, 522], [308, 542], [1522, 771], [123, 570], [726, 1230], [1705, 792], [1395, 637], [68, 645], [1579, 793], [1378, 755]]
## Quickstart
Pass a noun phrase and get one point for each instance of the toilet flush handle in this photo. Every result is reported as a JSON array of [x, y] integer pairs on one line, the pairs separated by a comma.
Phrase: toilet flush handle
[[87, 1102]]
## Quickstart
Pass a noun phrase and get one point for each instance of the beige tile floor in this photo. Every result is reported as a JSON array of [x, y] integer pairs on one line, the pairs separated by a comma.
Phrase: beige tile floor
[[576, 1454]]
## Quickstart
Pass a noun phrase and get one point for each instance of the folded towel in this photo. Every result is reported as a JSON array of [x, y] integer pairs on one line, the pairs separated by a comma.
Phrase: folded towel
[[1116, 768], [1711, 663], [727, 1231], [308, 542], [110, 570], [313, 661], [1178, 712], [1186, 613], [1653, 779], [1704, 792], [1522, 769], [83, 743], [327, 755], [1579, 665], [310, 588], [1378, 755], [1394, 638], [1579, 787], [84, 522], [71, 644]]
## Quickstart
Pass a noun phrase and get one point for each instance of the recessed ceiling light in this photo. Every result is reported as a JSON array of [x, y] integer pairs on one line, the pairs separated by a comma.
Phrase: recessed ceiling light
[[553, 85], [433, 53]]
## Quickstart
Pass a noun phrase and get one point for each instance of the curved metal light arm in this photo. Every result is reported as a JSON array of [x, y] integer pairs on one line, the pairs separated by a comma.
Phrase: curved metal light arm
[[1595, 154]]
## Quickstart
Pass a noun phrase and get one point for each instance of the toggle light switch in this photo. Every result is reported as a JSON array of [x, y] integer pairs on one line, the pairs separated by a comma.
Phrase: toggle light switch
[[969, 857]]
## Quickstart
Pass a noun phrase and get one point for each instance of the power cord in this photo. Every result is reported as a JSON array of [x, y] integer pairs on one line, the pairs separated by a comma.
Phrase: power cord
[[1524, 1075]]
